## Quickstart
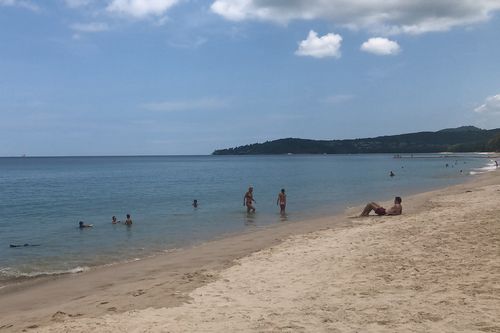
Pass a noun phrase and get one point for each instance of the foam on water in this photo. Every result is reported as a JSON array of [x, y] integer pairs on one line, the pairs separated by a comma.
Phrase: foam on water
[[9, 273], [490, 166]]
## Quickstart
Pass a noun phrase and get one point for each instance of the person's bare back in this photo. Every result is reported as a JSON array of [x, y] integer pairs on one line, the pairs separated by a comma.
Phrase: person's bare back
[[281, 201]]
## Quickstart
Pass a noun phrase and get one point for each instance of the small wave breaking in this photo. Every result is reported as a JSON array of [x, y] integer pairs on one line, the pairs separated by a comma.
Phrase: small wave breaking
[[491, 166], [10, 273]]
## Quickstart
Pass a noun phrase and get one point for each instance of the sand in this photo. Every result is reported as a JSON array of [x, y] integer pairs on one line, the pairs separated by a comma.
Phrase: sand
[[436, 268]]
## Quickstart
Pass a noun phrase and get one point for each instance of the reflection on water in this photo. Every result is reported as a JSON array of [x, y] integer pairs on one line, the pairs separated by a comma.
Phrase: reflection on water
[[250, 219]]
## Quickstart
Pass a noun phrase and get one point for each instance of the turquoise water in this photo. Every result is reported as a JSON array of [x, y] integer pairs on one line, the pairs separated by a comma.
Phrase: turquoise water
[[42, 200]]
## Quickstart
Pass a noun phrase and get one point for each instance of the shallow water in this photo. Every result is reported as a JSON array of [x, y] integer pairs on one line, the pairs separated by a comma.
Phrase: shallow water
[[42, 200]]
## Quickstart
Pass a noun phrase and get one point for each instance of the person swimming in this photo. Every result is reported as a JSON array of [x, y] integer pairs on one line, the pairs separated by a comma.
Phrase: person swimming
[[114, 221], [82, 225], [195, 203], [23, 245], [128, 221]]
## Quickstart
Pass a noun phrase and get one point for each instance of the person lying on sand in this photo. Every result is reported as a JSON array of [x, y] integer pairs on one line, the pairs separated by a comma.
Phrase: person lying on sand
[[397, 209]]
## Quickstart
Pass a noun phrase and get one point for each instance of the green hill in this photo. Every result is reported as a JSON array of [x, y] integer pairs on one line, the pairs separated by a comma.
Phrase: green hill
[[461, 139]]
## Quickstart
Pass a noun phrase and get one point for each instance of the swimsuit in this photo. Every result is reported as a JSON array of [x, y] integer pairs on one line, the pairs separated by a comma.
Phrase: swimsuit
[[248, 199]]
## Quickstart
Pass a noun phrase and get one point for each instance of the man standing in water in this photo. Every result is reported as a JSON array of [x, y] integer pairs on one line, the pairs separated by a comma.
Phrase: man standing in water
[[248, 199], [282, 201]]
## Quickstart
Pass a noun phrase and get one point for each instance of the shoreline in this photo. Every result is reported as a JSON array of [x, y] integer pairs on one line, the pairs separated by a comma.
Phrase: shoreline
[[104, 246], [324, 212], [37, 300], [165, 281]]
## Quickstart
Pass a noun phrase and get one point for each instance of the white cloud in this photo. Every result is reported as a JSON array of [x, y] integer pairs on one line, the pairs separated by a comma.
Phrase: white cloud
[[388, 17], [187, 105], [320, 47], [90, 27], [381, 46], [20, 3], [141, 8], [490, 105]]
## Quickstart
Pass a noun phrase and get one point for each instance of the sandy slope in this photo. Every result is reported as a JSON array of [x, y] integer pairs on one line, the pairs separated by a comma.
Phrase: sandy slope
[[437, 270]]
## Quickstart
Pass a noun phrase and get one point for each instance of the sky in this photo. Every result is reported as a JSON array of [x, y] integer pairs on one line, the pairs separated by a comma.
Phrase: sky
[[168, 77]]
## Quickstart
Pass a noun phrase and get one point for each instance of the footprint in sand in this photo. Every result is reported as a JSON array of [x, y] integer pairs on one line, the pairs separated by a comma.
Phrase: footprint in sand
[[59, 316], [138, 292]]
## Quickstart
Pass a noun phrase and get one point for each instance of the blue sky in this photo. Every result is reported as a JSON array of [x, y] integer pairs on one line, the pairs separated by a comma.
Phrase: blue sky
[[119, 77]]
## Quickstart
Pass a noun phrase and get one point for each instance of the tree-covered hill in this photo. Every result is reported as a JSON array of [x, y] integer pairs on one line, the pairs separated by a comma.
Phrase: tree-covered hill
[[461, 139]]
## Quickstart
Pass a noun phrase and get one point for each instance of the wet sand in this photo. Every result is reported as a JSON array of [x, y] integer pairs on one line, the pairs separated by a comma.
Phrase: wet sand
[[435, 268], [164, 280]]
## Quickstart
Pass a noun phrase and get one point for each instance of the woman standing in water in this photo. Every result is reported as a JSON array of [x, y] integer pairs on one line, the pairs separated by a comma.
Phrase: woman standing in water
[[248, 200]]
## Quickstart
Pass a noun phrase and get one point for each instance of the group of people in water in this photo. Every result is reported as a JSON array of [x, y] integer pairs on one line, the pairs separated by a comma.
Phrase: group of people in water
[[128, 222], [248, 202]]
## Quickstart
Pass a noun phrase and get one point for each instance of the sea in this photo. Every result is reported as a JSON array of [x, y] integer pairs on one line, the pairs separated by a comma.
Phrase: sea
[[42, 200]]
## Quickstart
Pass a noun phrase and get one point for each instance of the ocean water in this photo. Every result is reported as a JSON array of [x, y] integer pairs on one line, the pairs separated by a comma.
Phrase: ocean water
[[42, 200]]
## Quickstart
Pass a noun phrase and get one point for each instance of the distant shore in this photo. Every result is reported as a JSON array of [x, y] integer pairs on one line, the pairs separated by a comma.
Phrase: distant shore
[[431, 269]]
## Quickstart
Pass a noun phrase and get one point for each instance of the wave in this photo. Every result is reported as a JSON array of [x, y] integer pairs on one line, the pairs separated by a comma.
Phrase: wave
[[490, 166], [10, 273]]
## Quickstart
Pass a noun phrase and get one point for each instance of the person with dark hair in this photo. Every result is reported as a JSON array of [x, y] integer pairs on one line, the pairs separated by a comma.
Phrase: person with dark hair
[[248, 200], [195, 203], [128, 221], [281, 201], [397, 209], [82, 225], [114, 221]]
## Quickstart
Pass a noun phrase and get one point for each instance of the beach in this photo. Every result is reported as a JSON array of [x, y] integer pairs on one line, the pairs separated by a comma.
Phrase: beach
[[42, 201], [434, 268]]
